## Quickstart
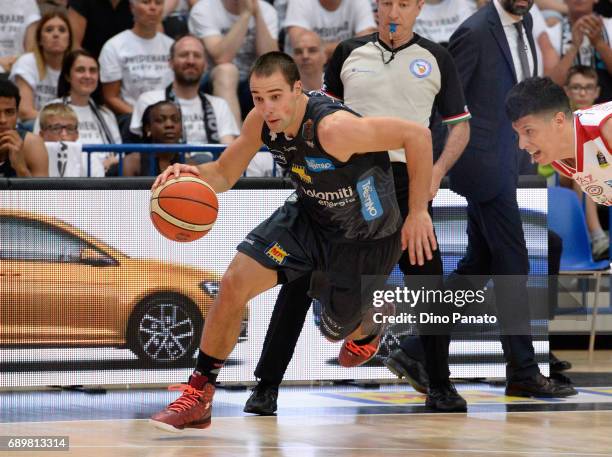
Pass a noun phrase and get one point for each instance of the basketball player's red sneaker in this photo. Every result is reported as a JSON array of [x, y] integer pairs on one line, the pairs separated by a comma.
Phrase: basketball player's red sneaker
[[191, 410], [353, 354]]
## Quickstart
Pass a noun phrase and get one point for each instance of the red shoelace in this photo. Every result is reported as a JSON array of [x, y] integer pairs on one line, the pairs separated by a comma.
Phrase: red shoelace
[[190, 397], [367, 350]]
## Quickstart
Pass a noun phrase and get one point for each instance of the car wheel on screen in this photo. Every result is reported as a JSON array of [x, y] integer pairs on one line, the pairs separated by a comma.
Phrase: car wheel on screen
[[165, 329]]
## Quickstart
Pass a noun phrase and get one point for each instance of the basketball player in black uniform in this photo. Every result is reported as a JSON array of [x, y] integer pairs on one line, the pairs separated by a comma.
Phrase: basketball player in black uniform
[[22, 154], [342, 222], [393, 72]]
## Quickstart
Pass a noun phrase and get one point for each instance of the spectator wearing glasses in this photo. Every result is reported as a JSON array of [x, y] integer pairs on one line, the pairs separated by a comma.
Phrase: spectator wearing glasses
[[58, 122], [582, 89], [78, 87]]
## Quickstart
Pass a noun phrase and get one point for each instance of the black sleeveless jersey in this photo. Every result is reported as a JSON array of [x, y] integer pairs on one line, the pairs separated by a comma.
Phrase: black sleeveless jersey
[[351, 200], [6, 170]]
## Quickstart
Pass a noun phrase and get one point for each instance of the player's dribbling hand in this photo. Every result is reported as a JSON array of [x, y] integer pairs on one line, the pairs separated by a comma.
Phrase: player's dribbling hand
[[173, 172], [418, 237]]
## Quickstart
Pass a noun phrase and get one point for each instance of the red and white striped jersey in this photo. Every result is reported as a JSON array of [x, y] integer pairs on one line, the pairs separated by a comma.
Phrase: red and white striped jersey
[[593, 167]]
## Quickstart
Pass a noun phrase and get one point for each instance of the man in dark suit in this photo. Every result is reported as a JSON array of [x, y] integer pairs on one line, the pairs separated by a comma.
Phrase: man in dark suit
[[493, 50]]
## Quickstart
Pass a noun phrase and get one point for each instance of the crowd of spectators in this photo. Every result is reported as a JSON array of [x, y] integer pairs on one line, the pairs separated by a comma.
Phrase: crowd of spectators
[[110, 59]]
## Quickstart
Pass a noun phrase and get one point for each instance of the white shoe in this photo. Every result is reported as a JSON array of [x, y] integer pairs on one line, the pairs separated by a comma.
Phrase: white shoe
[[599, 246]]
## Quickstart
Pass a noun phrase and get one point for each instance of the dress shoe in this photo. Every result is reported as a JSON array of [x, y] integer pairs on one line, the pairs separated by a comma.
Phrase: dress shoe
[[557, 365], [404, 366], [444, 398], [539, 386], [262, 400]]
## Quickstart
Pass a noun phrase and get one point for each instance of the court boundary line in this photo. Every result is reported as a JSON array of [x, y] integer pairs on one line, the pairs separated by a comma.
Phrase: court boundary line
[[609, 411]]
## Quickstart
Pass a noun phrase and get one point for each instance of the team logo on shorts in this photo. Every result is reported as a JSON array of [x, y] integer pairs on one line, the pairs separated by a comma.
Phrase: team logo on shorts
[[301, 172], [277, 253], [594, 190], [318, 164], [420, 68]]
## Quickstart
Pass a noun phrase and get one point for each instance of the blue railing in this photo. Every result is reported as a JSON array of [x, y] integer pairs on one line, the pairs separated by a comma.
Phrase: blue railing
[[121, 149]]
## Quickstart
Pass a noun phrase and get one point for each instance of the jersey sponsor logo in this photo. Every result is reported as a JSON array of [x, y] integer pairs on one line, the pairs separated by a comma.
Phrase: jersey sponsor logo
[[339, 197], [594, 190], [301, 172], [420, 68], [319, 164], [370, 203], [277, 253], [601, 160]]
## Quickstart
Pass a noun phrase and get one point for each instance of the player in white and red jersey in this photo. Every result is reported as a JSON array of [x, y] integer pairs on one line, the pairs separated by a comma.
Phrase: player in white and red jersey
[[576, 144]]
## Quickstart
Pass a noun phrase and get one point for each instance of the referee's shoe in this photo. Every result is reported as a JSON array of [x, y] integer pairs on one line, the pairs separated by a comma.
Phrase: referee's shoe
[[444, 398], [263, 399]]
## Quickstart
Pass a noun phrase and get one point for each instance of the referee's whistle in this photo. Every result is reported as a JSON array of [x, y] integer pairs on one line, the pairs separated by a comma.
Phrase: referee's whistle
[[392, 27]]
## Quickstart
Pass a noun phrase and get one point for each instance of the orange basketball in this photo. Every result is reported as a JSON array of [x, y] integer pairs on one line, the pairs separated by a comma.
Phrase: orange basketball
[[184, 209]]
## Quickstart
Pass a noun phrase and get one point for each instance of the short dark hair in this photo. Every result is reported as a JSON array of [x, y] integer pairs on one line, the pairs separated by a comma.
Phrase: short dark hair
[[587, 72], [148, 112], [8, 89], [268, 63], [63, 86], [534, 96]]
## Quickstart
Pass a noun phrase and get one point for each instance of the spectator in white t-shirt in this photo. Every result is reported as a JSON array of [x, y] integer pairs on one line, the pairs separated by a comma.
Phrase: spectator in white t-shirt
[[17, 28], [78, 87], [135, 61], [440, 18], [206, 119], [188, 62], [235, 33], [36, 73], [59, 122], [176, 16], [332, 20], [582, 38]]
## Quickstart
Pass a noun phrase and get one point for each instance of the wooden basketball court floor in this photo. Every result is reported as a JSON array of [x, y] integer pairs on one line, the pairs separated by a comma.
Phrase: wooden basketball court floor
[[330, 421]]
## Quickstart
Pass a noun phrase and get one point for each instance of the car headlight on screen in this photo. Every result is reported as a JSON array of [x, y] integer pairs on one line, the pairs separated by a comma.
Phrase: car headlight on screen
[[210, 287]]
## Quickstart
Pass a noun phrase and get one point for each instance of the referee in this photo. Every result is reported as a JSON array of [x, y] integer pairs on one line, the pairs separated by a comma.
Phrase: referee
[[393, 72]]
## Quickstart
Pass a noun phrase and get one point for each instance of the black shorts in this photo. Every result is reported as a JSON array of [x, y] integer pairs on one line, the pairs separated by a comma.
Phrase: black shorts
[[289, 243]]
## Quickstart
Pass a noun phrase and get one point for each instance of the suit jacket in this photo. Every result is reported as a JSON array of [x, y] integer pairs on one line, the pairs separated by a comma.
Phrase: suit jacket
[[490, 163]]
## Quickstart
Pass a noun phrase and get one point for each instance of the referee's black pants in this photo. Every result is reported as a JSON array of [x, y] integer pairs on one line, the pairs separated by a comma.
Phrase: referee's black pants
[[293, 302]]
